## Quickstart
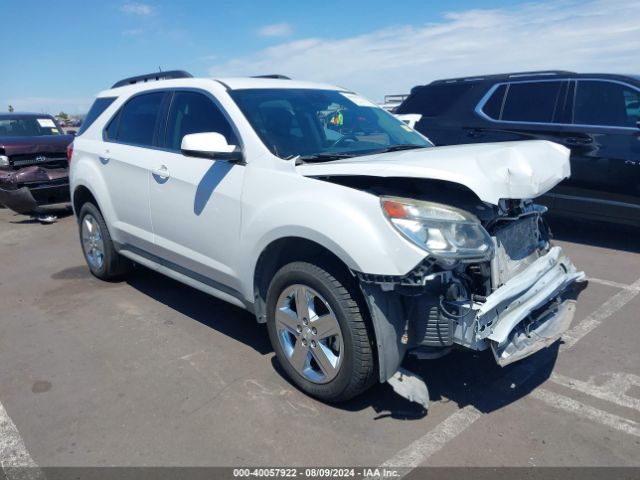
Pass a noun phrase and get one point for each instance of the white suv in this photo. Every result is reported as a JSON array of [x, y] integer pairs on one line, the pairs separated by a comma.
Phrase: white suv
[[337, 224]]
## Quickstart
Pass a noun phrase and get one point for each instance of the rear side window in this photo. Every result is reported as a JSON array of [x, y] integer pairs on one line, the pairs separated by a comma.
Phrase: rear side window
[[434, 100], [531, 102], [99, 106], [606, 103], [193, 112], [135, 123]]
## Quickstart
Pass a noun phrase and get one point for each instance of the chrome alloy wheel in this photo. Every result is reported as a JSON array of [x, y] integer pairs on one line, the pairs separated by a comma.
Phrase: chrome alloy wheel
[[92, 242], [309, 333]]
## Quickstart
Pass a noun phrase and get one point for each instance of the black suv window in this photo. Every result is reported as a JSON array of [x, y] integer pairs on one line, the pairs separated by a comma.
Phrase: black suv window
[[193, 112], [434, 100], [135, 123], [493, 106], [531, 102], [606, 103], [99, 106]]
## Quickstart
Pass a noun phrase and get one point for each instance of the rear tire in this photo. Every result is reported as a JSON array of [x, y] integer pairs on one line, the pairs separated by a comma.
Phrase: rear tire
[[99, 252], [318, 332]]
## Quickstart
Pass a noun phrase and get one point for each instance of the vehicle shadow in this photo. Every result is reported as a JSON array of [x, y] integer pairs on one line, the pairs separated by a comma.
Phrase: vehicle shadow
[[201, 307], [58, 211], [209, 183], [462, 377], [597, 234], [465, 378]]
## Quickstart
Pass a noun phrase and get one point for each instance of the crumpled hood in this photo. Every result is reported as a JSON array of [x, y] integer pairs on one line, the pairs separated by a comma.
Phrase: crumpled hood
[[493, 171], [43, 143]]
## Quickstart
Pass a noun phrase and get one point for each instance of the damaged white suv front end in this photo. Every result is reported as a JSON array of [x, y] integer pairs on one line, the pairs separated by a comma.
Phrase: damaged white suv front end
[[509, 290], [521, 309], [490, 278]]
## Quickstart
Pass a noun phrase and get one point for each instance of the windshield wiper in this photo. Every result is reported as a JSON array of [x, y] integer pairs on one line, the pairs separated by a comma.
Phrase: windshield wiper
[[397, 148], [320, 157]]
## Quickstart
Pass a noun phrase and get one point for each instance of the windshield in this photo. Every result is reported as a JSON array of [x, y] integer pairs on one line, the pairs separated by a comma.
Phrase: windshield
[[323, 124], [28, 127]]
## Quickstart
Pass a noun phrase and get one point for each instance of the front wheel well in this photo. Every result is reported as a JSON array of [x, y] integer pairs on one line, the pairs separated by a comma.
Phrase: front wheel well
[[292, 249]]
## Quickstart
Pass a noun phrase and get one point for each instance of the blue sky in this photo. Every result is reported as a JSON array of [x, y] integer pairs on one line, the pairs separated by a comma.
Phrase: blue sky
[[62, 53]]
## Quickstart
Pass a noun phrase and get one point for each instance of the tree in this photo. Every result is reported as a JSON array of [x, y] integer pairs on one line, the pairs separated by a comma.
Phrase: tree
[[11, 108], [63, 116]]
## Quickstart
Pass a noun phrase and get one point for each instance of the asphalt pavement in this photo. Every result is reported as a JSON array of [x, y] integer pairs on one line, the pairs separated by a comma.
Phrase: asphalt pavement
[[149, 372]]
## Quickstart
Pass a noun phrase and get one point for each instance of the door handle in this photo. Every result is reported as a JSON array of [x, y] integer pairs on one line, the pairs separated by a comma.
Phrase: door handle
[[475, 133], [161, 172], [579, 140], [104, 160]]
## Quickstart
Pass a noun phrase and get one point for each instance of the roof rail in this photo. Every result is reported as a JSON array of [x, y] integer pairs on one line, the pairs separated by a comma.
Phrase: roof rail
[[539, 72], [152, 76], [504, 75], [273, 75]]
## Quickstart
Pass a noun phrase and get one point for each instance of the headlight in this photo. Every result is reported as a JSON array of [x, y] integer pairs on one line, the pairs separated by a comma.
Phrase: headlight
[[4, 160], [441, 230]]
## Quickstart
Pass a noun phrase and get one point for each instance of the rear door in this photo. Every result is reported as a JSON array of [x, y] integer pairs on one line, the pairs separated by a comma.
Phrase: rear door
[[604, 139], [127, 155], [195, 202]]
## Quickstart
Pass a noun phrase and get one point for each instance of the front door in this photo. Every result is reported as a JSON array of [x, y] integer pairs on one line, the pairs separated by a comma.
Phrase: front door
[[195, 202]]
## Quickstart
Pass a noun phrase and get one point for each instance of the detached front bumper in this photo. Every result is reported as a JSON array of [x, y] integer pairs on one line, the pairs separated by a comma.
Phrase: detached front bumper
[[531, 310], [24, 190]]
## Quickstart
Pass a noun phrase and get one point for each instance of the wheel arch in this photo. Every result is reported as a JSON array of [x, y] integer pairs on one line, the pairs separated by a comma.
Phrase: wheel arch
[[284, 250], [82, 195]]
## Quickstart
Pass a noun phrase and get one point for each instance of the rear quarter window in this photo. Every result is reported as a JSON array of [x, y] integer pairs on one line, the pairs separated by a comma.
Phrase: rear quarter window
[[434, 100], [98, 107]]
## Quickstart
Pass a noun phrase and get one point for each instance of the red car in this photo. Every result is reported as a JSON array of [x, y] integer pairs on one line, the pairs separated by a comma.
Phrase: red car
[[33, 162]]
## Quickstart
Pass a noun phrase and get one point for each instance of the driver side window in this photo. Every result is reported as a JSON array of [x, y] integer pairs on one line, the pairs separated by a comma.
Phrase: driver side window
[[193, 112]]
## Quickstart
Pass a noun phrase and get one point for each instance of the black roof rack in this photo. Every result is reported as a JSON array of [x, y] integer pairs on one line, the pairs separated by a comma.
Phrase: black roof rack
[[539, 73], [153, 76], [477, 78], [273, 75]]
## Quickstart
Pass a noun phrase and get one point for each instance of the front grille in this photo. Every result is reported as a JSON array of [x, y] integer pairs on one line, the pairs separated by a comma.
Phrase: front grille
[[49, 159]]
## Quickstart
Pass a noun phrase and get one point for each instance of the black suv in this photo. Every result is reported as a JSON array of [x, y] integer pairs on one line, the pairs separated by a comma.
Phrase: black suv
[[597, 116]]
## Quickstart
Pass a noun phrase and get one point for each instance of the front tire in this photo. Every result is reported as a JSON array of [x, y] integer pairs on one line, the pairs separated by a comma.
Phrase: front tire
[[318, 332], [103, 260]]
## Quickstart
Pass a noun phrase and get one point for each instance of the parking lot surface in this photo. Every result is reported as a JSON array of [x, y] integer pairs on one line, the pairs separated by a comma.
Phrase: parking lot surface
[[150, 372]]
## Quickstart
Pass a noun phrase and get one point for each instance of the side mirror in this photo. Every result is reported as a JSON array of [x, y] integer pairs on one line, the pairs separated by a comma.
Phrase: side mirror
[[210, 145]]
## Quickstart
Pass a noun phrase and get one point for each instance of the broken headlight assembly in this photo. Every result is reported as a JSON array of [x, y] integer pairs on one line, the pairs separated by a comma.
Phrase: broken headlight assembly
[[443, 231]]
